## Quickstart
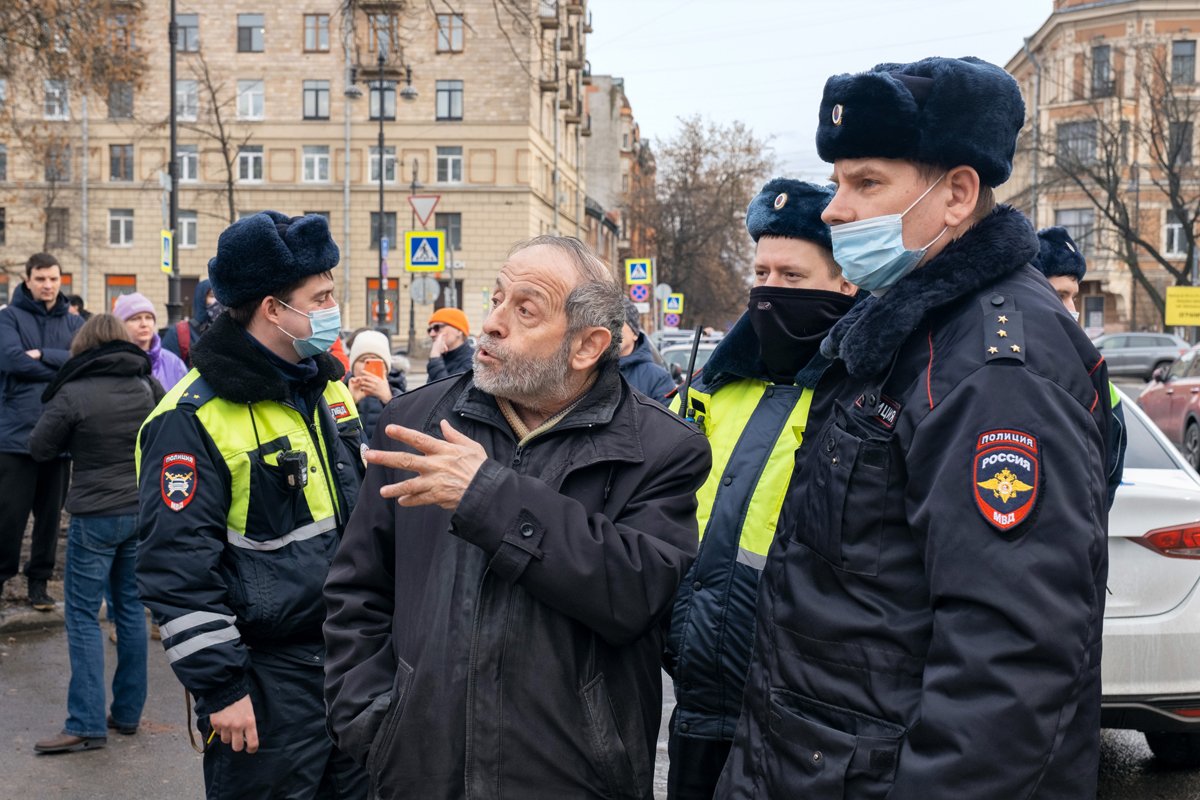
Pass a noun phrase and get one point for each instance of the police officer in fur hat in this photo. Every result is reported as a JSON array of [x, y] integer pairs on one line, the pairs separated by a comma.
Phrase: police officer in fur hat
[[752, 400], [929, 618], [1064, 266], [249, 469]]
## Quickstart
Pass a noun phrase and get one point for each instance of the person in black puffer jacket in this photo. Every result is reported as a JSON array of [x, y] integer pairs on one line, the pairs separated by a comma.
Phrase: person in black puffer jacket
[[94, 408]]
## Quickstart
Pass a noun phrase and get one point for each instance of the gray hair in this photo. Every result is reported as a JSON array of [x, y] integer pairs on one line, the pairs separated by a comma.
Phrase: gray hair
[[596, 301]]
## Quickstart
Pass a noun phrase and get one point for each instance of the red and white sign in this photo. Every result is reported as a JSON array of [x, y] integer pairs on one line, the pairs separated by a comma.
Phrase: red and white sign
[[423, 206]]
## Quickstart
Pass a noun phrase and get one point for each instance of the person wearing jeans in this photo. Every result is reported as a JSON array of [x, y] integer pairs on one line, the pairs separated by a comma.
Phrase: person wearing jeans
[[94, 407]]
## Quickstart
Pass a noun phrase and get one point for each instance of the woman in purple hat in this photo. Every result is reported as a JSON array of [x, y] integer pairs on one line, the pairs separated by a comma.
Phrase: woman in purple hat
[[137, 312]]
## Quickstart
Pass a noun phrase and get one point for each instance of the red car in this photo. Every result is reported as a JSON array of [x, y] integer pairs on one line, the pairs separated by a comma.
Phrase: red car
[[1172, 401]]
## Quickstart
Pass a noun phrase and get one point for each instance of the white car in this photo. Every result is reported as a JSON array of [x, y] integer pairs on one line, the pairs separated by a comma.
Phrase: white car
[[1151, 662]]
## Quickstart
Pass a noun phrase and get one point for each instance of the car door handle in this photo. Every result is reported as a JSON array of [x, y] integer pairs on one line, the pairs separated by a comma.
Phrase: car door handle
[[1196, 390], [1170, 391]]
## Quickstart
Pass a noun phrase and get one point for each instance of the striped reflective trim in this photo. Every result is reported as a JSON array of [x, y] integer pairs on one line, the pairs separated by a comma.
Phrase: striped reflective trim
[[750, 559], [192, 620], [202, 641], [298, 535]]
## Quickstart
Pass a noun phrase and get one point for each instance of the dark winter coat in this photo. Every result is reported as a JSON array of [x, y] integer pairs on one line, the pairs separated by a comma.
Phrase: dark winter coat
[[645, 374], [197, 324], [929, 617], [452, 362], [510, 648], [26, 325], [94, 407]]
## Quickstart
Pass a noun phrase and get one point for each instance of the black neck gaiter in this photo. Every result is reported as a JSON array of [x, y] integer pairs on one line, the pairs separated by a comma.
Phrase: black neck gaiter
[[790, 324]]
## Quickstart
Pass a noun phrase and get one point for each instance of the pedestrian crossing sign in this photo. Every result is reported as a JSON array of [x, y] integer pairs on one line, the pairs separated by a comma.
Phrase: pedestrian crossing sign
[[638, 271], [425, 251], [673, 303]]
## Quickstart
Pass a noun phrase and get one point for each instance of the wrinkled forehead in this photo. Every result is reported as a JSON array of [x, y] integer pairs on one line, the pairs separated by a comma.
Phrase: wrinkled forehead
[[539, 273]]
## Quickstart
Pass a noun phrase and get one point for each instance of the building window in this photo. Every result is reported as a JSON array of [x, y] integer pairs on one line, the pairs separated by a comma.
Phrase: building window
[[56, 104], [251, 31], [120, 34], [188, 168], [188, 223], [58, 163], [316, 33], [250, 163], [187, 33], [389, 228], [451, 223], [1179, 144], [449, 164], [120, 100], [1174, 245], [120, 227], [3, 228], [389, 164], [316, 163], [117, 285], [250, 100], [316, 99], [1183, 62], [3, 94], [1080, 224], [58, 223], [120, 162], [385, 95], [3, 162], [450, 33], [449, 99], [187, 100], [1077, 142], [381, 31], [1103, 84]]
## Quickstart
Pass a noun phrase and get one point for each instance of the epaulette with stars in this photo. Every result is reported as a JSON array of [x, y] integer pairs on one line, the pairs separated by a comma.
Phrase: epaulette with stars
[[1003, 332]]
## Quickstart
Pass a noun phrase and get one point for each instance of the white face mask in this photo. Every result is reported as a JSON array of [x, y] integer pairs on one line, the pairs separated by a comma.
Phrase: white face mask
[[1074, 315]]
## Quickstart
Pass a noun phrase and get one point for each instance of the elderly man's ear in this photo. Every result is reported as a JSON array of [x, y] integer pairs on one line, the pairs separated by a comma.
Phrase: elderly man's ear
[[590, 344]]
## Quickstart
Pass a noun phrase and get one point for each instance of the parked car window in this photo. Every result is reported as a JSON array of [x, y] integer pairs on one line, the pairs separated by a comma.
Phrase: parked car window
[[1164, 341], [1194, 371], [1143, 450], [1115, 343], [1182, 367]]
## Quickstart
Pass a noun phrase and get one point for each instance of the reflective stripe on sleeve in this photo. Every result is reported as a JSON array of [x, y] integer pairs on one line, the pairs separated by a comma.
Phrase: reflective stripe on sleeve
[[192, 620], [298, 535], [755, 560], [197, 643]]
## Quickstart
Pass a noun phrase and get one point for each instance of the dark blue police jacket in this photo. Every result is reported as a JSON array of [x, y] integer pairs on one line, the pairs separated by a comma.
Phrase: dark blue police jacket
[[929, 617]]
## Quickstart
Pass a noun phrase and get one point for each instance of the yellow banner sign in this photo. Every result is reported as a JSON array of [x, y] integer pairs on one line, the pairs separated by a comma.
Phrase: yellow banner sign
[[1183, 305]]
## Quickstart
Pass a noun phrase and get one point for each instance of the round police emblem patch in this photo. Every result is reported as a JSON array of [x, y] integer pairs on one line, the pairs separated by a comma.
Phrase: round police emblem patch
[[178, 481], [836, 116], [780, 200], [1006, 474]]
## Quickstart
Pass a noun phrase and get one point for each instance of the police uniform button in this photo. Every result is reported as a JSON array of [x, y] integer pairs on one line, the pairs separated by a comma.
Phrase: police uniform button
[[769, 392], [817, 757], [996, 299], [526, 530], [697, 586], [727, 480], [830, 444], [313, 468], [684, 727]]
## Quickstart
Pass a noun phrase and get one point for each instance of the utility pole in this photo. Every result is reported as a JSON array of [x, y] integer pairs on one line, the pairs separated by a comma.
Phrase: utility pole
[[174, 301], [381, 311], [412, 226]]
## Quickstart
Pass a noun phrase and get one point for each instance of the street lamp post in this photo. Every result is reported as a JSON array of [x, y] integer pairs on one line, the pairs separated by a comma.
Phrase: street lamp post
[[381, 312], [412, 305]]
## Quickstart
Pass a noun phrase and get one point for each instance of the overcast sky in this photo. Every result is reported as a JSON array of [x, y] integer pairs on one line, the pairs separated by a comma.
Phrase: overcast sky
[[765, 62]]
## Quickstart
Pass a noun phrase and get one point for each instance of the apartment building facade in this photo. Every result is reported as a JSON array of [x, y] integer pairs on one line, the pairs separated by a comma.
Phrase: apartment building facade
[[1096, 77], [279, 107]]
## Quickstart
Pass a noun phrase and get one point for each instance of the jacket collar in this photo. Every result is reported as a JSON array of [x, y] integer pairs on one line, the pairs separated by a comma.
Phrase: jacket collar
[[111, 358], [608, 403], [239, 372], [23, 299], [867, 338]]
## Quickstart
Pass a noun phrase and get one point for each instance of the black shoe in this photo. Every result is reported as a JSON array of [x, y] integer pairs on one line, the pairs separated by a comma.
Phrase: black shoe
[[124, 730], [38, 597]]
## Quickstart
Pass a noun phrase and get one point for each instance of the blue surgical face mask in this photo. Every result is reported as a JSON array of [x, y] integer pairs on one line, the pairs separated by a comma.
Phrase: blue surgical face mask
[[326, 325], [871, 251]]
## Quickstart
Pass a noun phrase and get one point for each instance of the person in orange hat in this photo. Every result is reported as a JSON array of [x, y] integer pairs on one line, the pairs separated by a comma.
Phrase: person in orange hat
[[451, 353]]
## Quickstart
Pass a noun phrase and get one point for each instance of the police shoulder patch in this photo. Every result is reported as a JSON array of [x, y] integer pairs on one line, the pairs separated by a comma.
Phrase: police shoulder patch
[[339, 410], [1006, 471], [178, 482]]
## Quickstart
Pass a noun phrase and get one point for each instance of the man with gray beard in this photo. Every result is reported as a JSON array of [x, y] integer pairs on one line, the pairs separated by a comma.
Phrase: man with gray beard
[[495, 606]]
